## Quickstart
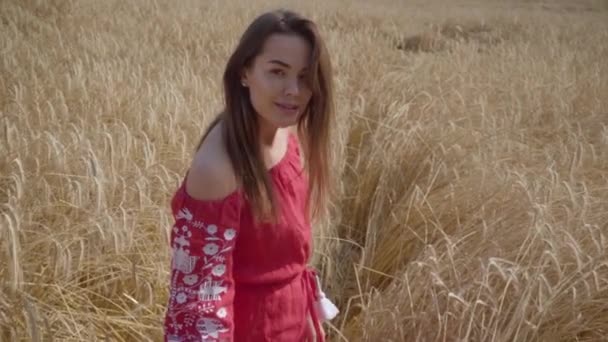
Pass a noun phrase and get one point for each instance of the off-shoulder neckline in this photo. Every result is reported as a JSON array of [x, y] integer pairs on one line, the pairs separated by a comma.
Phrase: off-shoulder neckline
[[235, 194]]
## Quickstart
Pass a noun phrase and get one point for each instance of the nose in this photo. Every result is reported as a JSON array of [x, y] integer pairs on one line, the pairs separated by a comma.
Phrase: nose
[[293, 87]]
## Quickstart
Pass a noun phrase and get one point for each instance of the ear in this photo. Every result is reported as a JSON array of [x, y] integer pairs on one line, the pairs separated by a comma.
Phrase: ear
[[244, 77]]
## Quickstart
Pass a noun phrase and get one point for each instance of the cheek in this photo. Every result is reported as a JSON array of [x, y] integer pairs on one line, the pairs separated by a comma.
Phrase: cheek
[[270, 85], [306, 96], [262, 94]]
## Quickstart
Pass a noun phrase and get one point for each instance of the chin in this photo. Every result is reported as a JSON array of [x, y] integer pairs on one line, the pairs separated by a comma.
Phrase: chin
[[284, 122]]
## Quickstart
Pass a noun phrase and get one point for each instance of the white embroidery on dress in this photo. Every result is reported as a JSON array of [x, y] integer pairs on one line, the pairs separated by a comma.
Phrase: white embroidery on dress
[[182, 260], [181, 298], [191, 279], [173, 338], [219, 270], [198, 224], [212, 229], [222, 313], [184, 214], [196, 293], [211, 291], [207, 308], [211, 249], [229, 234], [210, 327]]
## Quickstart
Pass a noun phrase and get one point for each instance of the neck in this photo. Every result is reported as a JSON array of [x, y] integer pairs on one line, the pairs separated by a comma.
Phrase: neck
[[267, 135]]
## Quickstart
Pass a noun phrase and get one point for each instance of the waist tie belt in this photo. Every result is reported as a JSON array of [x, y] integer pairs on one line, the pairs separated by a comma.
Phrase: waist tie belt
[[319, 306]]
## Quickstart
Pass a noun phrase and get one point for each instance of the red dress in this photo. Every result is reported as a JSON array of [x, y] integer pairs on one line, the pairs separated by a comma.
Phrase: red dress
[[232, 280]]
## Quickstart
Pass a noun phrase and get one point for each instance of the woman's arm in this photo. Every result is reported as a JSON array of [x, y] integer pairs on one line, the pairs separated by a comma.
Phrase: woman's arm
[[203, 238]]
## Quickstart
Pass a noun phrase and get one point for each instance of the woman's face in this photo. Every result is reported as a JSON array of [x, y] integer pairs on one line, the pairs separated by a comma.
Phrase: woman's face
[[277, 80]]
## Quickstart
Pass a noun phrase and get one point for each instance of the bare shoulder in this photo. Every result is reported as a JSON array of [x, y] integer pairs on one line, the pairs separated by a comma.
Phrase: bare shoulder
[[211, 176]]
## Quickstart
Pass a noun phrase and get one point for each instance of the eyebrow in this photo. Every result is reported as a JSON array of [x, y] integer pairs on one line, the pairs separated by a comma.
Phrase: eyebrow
[[276, 61], [281, 63]]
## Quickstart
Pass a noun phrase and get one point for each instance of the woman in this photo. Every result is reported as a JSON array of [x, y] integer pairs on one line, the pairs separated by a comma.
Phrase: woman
[[242, 233]]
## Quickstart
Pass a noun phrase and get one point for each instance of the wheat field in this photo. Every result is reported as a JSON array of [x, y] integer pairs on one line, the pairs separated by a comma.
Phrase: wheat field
[[471, 154]]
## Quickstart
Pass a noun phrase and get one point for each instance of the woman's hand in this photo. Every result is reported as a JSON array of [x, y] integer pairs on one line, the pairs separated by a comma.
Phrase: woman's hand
[[312, 335]]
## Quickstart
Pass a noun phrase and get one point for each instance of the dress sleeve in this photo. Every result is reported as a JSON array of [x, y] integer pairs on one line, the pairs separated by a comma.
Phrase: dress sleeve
[[201, 292]]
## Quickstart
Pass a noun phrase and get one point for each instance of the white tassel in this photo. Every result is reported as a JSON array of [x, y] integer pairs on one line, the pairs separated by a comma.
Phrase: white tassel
[[326, 310]]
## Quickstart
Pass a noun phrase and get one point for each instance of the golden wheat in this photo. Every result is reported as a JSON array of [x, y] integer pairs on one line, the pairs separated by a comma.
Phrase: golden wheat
[[472, 153]]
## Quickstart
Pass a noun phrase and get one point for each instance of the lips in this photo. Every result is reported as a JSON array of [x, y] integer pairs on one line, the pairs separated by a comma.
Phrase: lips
[[287, 106]]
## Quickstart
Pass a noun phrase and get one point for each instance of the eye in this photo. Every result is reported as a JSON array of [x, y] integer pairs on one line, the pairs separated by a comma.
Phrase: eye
[[278, 72], [305, 74], [305, 78]]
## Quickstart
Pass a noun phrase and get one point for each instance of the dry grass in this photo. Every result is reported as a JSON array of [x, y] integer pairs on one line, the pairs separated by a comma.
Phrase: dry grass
[[472, 152]]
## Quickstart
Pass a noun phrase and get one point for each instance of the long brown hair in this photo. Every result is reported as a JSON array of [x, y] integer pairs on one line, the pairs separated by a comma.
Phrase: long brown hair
[[240, 122]]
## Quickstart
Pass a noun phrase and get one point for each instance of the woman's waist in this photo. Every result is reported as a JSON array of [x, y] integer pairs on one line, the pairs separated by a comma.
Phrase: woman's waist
[[270, 278], [297, 286], [293, 291]]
